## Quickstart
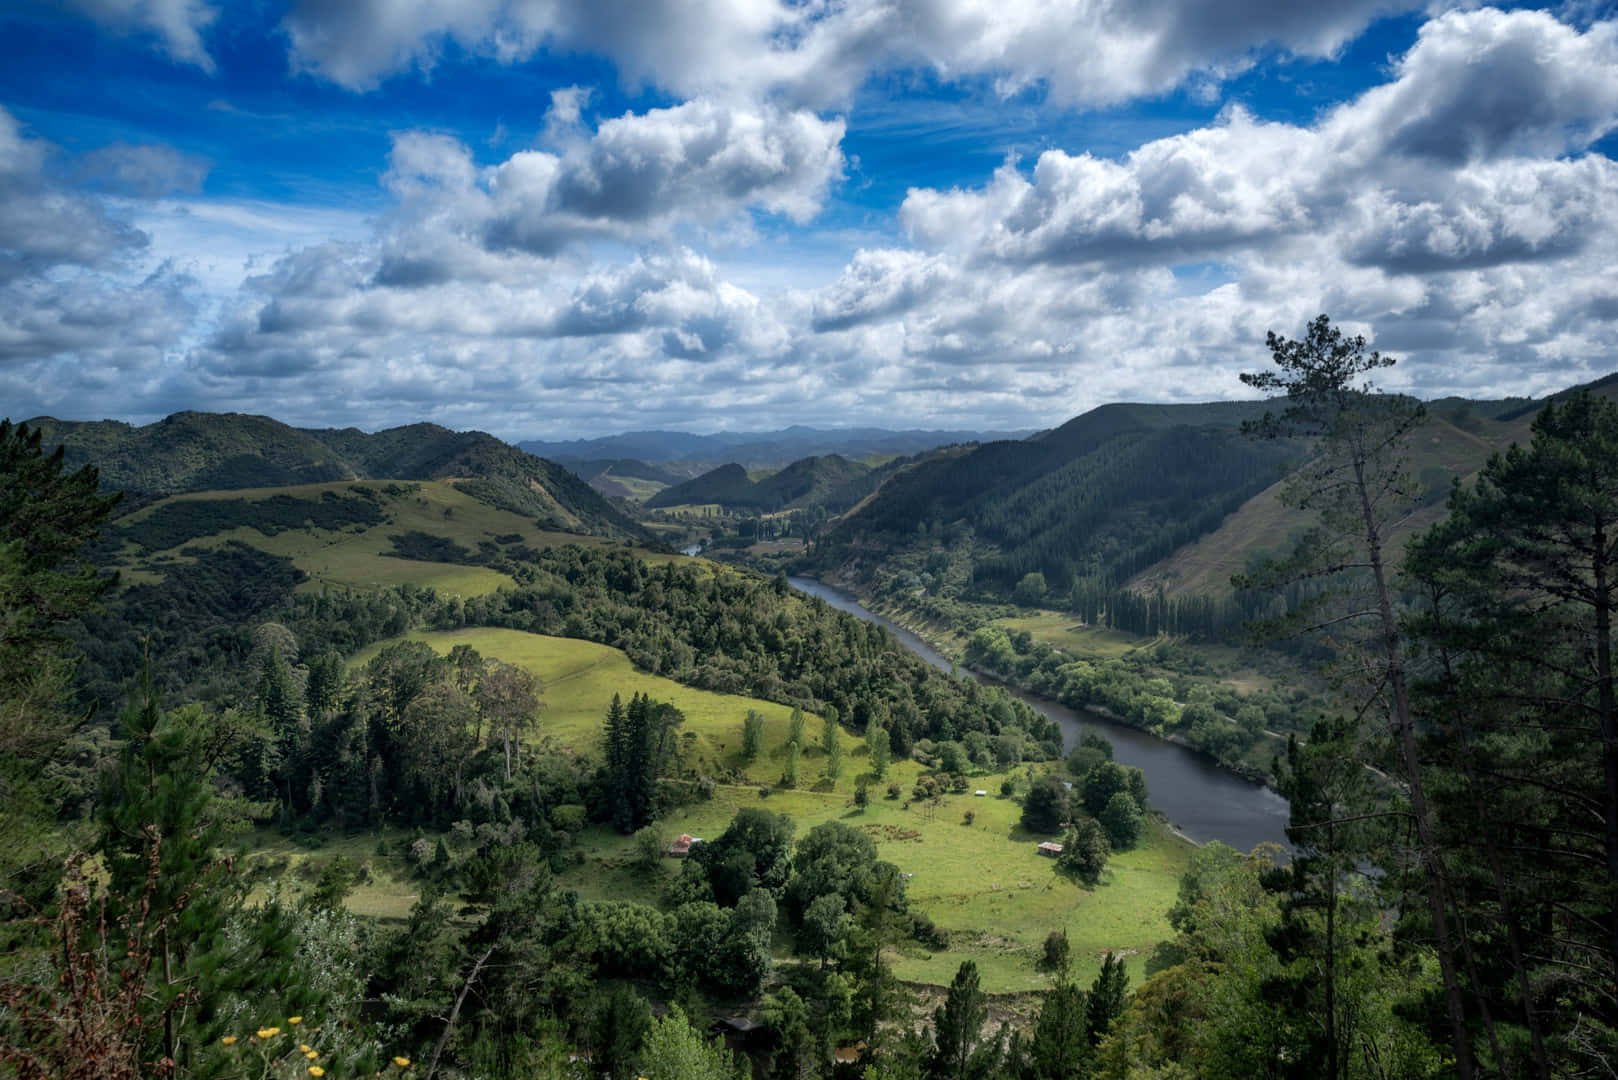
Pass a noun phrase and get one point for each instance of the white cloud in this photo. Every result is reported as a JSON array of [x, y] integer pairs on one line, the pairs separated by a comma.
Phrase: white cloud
[[640, 178], [178, 24], [45, 225], [817, 53]]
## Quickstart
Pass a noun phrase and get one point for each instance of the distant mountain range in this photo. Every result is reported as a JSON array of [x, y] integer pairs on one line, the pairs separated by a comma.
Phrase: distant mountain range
[[194, 451], [757, 449]]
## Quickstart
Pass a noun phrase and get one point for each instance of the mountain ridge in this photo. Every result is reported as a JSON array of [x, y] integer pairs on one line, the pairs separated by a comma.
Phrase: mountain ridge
[[197, 451]]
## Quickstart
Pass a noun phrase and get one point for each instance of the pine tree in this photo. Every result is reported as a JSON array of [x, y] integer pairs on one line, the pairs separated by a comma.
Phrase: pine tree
[[959, 1052], [1060, 1048], [1355, 483]]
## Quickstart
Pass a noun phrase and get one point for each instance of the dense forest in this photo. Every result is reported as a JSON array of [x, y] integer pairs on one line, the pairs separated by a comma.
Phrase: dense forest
[[1449, 906]]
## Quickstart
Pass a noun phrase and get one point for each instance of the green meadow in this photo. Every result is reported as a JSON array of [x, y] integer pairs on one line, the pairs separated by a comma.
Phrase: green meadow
[[984, 882]]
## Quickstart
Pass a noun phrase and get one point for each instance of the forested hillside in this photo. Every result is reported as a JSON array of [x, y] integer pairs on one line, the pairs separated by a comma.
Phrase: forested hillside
[[209, 451], [1098, 499], [832, 482]]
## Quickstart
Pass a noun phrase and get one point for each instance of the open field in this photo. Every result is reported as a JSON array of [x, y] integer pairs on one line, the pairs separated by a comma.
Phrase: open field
[[983, 882], [1070, 635], [356, 559]]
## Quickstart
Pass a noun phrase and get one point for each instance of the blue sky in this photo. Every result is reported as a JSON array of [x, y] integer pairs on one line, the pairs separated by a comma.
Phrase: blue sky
[[565, 219]]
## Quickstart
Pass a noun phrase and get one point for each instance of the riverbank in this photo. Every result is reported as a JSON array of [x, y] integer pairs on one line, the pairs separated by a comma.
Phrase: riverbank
[[1200, 800], [953, 651]]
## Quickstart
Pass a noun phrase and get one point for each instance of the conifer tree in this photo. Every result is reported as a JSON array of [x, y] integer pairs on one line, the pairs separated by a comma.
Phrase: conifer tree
[[1356, 485]]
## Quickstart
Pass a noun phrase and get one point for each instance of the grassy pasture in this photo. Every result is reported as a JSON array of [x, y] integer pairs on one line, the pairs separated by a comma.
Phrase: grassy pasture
[[355, 559], [1068, 634], [983, 882]]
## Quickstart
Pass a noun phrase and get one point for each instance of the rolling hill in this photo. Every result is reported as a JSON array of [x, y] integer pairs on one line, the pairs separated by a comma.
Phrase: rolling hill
[[193, 451], [832, 481]]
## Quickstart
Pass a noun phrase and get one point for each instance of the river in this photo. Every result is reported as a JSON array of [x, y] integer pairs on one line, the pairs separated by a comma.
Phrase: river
[[1197, 796]]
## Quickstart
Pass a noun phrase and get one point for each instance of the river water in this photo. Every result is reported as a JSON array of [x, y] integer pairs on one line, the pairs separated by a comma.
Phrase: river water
[[1201, 799]]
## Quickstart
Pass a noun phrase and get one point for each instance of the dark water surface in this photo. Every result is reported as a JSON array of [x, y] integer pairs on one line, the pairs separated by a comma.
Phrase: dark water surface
[[1203, 800]]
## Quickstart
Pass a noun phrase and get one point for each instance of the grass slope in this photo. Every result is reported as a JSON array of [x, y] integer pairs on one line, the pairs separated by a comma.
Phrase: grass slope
[[356, 557], [1439, 452], [985, 882]]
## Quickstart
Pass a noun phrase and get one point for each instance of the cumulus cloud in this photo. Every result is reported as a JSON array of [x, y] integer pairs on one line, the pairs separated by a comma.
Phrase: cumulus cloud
[[817, 54], [1372, 175], [1474, 242], [639, 178], [78, 315], [178, 24], [44, 225]]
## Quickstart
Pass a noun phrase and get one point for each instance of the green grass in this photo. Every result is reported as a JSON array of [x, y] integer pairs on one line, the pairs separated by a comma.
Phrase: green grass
[[351, 559], [1068, 634], [984, 882], [389, 890], [580, 678]]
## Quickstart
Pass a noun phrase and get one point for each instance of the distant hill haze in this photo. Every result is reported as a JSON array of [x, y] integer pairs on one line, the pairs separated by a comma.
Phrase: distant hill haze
[[195, 451], [757, 449]]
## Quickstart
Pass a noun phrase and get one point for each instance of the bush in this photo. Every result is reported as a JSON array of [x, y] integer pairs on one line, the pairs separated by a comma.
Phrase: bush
[[928, 932], [894, 791]]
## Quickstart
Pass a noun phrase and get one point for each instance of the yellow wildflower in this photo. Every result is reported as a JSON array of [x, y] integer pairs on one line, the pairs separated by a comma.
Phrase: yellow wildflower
[[316, 1070], [402, 1062], [310, 1054], [268, 1032], [294, 1020], [303, 1048], [228, 1040]]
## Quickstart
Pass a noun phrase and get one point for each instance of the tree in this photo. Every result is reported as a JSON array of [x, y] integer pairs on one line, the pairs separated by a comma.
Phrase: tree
[[1123, 821], [46, 518], [1044, 808], [754, 850], [1107, 997], [1060, 1048], [1085, 851], [1355, 483], [831, 735], [795, 726], [631, 761], [789, 775], [959, 1052], [621, 1023], [752, 735], [832, 859], [1030, 590], [834, 759], [508, 697], [1519, 587], [825, 925], [675, 1051]]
